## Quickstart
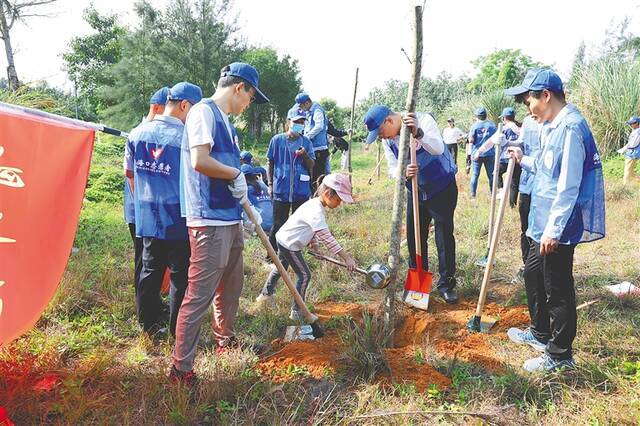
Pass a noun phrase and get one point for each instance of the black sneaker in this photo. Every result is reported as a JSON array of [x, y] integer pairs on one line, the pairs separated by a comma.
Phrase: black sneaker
[[449, 295], [185, 378], [233, 343]]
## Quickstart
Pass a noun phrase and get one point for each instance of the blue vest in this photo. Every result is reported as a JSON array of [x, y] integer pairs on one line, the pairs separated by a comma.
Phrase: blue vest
[[204, 197], [587, 220], [530, 146], [291, 180], [633, 153], [260, 199], [482, 131], [435, 172], [509, 136], [321, 140], [157, 179]]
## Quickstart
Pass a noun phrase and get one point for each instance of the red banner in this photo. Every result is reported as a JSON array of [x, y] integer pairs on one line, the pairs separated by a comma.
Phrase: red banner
[[44, 165]]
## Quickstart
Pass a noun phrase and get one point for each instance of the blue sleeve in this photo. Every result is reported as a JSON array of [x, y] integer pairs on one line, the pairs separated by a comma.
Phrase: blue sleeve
[[308, 146], [272, 148]]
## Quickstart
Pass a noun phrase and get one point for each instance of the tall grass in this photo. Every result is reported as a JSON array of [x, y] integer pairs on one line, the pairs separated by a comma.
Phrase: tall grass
[[607, 91], [463, 109]]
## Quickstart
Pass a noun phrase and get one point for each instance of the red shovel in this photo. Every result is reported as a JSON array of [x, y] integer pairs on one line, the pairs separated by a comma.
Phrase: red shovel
[[418, 284]]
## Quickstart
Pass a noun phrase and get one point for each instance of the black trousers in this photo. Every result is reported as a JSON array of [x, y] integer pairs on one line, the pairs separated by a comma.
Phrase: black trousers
[[137, 257], [281, 213], [523, 208], [319, 168], [453, 149], [157, 256], [440, 208], [515, 182], [551, 297]]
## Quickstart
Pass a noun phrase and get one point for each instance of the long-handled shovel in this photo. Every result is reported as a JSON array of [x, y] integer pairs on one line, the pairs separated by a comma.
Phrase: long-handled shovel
[[475, 323], [311, 318], [494, 194], [418, 284]]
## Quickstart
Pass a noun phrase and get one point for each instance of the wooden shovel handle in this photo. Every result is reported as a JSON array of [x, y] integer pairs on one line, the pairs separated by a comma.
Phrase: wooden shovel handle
[[415, 200]]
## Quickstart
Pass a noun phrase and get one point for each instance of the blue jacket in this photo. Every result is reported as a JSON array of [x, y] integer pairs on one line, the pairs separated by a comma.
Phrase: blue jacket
[[318, 137], [204, 197], [156, 153], [291, 180], [530, 138], [481, 132], [567, 202]]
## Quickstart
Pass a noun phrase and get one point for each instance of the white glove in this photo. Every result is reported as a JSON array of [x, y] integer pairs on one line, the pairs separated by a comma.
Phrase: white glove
[[622, 150], [238, 188], [475, 157], [256, 214]]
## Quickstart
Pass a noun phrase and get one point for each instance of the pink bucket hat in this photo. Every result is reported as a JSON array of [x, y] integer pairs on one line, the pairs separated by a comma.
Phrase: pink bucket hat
[[340, 183]]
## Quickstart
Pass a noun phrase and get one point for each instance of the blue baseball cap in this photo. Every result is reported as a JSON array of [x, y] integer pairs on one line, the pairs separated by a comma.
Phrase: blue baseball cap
[[185, 91], [246, 157], [480, 111], [373, 119], [508, 112], [537, 79], [249, 74], [295, 113], [248, 169], [160, 97], [633, 120], [302, 98]]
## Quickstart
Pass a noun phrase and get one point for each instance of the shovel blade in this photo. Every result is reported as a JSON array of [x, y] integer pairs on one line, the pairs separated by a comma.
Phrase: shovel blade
[[418, 280], [416, 299], [481, 324]]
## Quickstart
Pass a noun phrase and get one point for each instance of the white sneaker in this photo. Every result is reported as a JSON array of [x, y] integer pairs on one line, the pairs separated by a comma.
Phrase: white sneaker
[[264, 301], [525, 337], [545, 363]]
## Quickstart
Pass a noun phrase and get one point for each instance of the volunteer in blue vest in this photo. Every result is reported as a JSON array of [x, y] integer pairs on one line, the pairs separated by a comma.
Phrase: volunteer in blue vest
[[315, 129], [247, 158], [212, 192], [511, 132], [291, 162], [479, 133], [631, 150], [438, 192], [567, 208], [156, 192], [259, 196], [156, 106]]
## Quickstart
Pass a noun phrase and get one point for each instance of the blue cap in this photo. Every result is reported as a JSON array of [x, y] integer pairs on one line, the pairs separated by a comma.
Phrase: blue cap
[[160, 97], [508, 112], [185, 91], [246, 157], [295, 113], [250, 75], [480, 111], [248, 169], [633, 120], [373, 119], [302, 98], [537, 79]]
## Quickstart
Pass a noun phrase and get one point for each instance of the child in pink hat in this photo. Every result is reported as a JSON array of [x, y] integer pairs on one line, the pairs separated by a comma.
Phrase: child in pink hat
[[308, 226]]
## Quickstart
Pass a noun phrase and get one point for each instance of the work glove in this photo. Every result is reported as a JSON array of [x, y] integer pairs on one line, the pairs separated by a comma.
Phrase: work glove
[[238, 188], [622, 150]]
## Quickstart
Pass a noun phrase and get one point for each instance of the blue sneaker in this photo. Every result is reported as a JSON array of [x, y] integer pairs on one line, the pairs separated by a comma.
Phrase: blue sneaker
[[546, 364], [525, 337]]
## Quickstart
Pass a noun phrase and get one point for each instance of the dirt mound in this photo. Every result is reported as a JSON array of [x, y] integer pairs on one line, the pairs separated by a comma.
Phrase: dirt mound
[[443, 330]]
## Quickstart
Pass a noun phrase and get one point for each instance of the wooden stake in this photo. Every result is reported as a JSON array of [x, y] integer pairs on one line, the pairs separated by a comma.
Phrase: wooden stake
[[353, 113], [378, 160], [399, 193]]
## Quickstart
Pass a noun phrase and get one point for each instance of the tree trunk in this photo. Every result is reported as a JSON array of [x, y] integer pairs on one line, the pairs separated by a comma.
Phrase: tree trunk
[[353, 111], [12, 75], [389, 307]]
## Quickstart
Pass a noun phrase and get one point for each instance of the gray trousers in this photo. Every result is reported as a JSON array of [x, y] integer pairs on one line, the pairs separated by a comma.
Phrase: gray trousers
[[215, 275]]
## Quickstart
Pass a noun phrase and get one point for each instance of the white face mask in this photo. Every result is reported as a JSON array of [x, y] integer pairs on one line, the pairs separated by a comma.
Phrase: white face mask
[[297, 128]]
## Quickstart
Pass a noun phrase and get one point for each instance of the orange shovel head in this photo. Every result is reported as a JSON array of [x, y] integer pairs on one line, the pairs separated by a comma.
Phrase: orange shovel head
[[418, 279], [166, 283]]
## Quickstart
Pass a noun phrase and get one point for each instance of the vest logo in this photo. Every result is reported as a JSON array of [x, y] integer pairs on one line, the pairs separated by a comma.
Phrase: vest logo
[[548, 159], [596, 158], [156, 152]]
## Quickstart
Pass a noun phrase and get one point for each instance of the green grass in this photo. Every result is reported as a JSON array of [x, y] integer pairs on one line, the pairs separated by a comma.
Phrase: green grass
[[110, 374]]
